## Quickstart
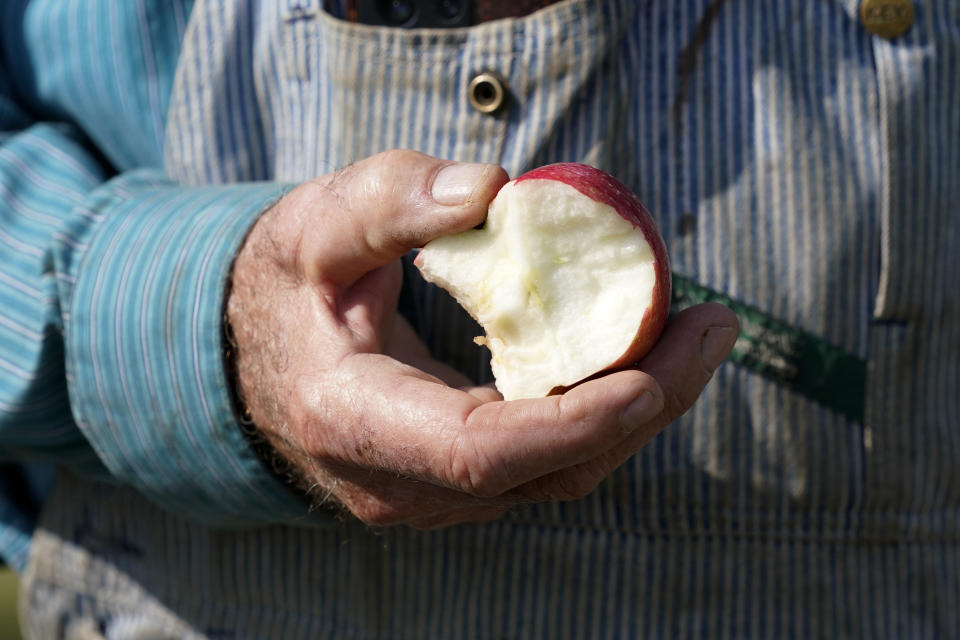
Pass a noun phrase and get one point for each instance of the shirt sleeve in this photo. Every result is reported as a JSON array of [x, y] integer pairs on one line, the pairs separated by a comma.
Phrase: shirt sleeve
[[144, 345], [111, 303]]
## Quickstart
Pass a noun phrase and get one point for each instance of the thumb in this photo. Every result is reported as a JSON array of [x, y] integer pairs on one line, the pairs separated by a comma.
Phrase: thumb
[[376, 210]]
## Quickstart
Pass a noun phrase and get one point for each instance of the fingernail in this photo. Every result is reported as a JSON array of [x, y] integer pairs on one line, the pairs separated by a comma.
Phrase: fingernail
[[639, 411], [455, 183], [716, 346]]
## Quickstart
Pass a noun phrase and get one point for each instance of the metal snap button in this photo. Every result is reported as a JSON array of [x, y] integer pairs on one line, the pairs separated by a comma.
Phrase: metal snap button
[[487, 92], [887, 18]]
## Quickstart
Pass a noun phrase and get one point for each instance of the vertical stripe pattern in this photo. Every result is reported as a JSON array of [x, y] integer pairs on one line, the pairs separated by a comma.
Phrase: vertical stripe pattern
[[145, 322], [501, 580], [762, 136], [792, 160], [112, 286]]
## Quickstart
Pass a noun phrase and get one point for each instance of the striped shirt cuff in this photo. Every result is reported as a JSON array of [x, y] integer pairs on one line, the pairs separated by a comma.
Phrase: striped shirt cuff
[[144, 342]]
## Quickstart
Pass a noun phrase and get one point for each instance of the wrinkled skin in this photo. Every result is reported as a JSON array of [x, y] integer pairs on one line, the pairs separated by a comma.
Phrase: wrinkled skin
[[344, 390]]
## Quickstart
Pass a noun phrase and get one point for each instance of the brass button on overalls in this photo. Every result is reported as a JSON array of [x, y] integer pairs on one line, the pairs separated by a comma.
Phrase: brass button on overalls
[[887, 18], [487, 92]]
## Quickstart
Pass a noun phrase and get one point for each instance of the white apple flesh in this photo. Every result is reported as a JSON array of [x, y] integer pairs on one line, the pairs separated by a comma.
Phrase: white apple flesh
[[568, 277]]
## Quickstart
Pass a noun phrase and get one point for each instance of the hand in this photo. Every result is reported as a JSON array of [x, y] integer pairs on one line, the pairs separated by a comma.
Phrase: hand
[[343, 389]]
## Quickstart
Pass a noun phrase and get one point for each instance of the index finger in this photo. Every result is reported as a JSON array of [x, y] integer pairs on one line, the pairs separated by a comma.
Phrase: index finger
[[413, 424], [524, 440], [417, 426]]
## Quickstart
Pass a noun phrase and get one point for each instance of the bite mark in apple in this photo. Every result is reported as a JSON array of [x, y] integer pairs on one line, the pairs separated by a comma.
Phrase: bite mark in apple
[[568, 277]]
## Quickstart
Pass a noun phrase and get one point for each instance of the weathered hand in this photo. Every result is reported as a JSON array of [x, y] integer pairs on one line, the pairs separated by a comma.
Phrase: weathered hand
[[345, 391]]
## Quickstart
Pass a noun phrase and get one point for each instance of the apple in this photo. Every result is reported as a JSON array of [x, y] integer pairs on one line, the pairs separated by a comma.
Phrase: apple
[[568, 277]]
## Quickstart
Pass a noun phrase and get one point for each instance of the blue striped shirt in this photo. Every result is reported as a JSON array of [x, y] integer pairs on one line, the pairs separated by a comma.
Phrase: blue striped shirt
[[793, 161]]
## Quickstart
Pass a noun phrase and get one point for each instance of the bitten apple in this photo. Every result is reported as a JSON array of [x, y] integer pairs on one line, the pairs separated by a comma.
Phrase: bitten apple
[[568, 277]]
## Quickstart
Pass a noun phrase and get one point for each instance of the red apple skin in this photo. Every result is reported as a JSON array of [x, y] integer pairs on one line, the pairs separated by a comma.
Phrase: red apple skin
[[603, 187]]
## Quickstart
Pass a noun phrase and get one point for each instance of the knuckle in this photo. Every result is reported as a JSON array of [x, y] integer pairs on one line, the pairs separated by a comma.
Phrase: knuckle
[[388, 165], [677, 402], [471, 469], [569, 410], [578, 483], [396, 158]]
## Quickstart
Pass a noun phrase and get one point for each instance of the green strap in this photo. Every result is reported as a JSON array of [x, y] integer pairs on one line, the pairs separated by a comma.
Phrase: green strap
[[785, 354]]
